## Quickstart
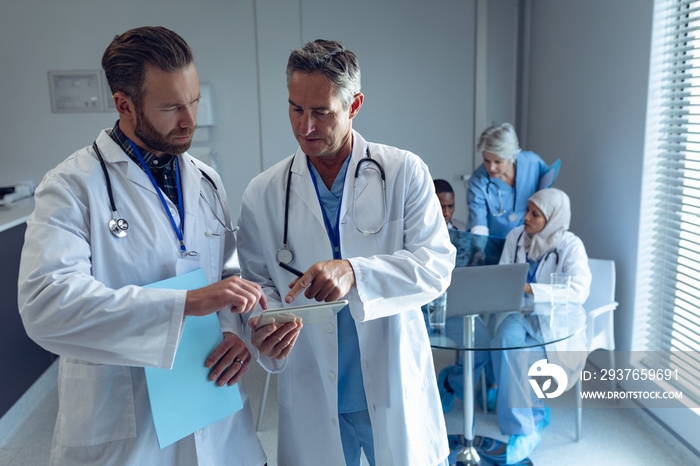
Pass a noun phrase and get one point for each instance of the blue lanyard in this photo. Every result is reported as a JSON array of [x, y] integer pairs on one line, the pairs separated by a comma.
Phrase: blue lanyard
[[333, 235], [532, 273], [178, 231]]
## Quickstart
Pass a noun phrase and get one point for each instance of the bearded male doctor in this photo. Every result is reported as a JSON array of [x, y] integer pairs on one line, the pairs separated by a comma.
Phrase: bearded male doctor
[[364, 380], [81, 276]]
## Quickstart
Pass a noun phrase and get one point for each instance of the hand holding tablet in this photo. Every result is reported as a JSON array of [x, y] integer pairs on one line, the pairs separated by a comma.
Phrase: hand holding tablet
[[306, 314]]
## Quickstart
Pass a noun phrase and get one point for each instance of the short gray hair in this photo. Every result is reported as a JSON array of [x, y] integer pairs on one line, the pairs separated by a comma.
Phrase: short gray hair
[[499, 140], [332, 59]]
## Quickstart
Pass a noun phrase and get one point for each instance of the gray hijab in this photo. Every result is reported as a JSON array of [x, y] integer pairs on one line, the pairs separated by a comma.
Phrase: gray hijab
[[556, 207]]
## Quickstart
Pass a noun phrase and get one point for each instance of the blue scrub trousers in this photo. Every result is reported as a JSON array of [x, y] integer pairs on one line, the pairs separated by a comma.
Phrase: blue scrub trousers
[[519, 409], [356, 434]]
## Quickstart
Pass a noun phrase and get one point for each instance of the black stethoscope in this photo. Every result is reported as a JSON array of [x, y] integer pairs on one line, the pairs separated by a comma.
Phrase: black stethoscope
[[285, 255], [119, 226], [546, 256]]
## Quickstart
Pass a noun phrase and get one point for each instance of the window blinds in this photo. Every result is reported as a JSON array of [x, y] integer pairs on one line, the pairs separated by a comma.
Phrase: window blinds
[[669, 260]]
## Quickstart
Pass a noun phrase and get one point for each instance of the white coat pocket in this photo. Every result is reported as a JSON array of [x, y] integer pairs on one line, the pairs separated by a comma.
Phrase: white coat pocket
[[96, 404]]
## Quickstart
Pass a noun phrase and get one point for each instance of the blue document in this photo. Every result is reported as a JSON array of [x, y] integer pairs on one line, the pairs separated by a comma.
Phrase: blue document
[[550, 175], [183, 399]]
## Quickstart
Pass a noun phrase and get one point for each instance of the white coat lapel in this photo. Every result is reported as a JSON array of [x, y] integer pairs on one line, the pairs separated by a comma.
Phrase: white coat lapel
[[191, 178], [350, 191], [302, 187], [113, 154]]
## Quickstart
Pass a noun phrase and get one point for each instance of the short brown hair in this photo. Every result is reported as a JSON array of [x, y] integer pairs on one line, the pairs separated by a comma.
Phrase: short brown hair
[[126, 58]]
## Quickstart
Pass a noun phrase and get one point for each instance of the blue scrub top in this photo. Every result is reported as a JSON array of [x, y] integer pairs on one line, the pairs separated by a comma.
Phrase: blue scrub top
[[483, 205], [351, 390]]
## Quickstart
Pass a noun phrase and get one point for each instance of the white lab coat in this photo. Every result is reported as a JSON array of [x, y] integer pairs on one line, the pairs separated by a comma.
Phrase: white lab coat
[[79, 297], [572, 261], [571, 353], [407, 264]]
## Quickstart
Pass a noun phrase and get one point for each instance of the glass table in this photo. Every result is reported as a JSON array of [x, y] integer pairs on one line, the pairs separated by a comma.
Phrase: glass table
[[554, 324]]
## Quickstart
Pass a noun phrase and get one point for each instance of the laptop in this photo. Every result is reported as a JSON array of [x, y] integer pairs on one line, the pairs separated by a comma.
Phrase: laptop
[[486, 289]]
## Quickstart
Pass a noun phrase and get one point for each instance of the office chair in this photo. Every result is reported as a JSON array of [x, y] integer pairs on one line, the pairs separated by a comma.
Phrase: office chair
[[600, 330]]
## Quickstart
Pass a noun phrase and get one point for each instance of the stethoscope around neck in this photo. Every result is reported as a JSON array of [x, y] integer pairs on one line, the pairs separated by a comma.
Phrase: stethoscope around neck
[[284, 254], [544, 259], [118, 226], [501, 211]]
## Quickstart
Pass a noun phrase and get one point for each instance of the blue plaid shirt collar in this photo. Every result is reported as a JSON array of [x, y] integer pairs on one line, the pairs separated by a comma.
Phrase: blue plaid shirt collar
[[162, 169]]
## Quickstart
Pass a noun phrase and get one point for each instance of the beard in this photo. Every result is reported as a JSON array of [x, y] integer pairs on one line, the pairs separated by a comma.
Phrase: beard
[[159, 142]]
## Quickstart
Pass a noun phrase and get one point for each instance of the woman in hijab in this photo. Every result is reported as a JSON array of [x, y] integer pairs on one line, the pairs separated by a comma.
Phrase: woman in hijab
[[545, 243]]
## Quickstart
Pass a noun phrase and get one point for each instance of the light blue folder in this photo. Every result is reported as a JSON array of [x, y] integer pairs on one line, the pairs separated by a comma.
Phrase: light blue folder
[[183, 399], [549, 175]]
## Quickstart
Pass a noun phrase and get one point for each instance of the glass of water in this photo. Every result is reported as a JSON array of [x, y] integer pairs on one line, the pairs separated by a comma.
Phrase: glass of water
[[561, 283], [437, 313]]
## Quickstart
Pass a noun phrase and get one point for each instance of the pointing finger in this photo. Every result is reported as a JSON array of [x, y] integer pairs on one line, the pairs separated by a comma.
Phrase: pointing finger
[[298, 286]]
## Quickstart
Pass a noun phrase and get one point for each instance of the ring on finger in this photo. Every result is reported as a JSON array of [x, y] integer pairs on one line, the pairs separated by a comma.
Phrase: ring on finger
[[238, 360]]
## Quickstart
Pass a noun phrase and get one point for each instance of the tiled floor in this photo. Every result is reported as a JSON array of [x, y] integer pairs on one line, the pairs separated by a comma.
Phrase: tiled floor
[[611, 436]]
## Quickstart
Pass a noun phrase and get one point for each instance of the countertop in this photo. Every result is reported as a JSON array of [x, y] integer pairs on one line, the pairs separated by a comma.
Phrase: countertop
[[15, 213]]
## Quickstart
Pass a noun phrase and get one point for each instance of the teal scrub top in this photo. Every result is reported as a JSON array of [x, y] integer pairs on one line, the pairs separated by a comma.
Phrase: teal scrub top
[[485, 205], [351, 391]]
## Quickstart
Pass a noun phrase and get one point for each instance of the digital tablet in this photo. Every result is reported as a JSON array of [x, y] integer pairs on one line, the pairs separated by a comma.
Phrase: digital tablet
[[307, 313]]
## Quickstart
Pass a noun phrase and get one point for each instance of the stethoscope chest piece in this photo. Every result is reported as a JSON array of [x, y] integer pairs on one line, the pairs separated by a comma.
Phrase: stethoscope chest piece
[[285, 255], [118, 226]]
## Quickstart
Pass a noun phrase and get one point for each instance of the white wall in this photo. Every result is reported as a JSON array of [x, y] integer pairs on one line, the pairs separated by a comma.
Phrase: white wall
[[501, 65], [416, 57], [589, 75], [588, 94], [417, 61], [38, 36]]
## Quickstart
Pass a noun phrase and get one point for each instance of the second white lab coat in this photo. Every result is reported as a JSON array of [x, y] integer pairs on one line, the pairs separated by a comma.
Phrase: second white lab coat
[[405, 265], [80, 297], [570, 258]]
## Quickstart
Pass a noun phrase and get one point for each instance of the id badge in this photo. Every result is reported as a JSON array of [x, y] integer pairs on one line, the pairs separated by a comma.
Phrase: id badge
[[186, 264]]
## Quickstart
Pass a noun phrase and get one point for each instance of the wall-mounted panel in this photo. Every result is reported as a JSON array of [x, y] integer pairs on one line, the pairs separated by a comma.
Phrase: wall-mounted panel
[[76, 91]]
